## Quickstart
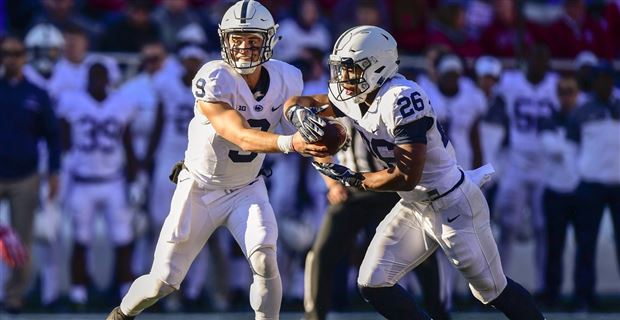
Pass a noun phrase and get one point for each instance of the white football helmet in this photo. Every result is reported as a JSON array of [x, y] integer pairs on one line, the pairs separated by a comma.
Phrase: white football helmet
[[372, 52], [44, 43], [248, 16]]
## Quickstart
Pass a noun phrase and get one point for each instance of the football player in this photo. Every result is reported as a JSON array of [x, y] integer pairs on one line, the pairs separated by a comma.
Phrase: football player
[[461, 105], [524, 101], [93, 124], [238, 104], [441, 206]]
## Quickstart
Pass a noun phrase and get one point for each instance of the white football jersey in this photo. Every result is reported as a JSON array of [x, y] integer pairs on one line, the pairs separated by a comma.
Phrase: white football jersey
[[527, 107], [178, 102], [457, 115], [398, 102], [97, 128], [141, 93], [214, 161]]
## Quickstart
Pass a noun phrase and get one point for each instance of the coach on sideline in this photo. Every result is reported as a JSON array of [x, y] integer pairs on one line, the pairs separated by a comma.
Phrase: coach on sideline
[[27, 117], [594, 130]]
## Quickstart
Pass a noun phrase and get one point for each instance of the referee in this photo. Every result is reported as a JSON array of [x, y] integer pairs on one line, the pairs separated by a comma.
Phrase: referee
[[351, 211]]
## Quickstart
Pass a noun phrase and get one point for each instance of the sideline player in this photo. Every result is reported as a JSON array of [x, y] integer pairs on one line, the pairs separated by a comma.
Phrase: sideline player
[[238, 105], [93, 126], [441, 206]]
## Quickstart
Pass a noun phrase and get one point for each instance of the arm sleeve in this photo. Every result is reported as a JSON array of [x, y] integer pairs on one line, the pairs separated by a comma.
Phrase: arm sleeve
[[413, 132]]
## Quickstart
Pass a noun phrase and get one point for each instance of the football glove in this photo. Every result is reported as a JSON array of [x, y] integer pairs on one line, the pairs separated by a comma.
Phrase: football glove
[[307, 122], [340, 173], [12, 250]]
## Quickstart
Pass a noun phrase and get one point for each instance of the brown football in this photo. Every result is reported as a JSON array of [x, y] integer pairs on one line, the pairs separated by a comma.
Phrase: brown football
[[335, 135]]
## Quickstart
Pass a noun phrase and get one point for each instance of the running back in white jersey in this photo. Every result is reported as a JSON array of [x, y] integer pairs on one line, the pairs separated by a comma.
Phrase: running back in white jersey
[[457, 115], [398, 102], [527, 107], [214, 161], [97, 129]]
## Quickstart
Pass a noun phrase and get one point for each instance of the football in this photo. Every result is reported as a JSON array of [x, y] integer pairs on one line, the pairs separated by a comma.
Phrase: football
[[335, 135]]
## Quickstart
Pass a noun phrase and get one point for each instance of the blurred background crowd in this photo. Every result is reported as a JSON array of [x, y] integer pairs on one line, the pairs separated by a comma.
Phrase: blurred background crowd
[[93, 225]]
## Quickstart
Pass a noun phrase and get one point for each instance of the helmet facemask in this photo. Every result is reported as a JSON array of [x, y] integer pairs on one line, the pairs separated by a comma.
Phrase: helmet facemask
[[259, 54], [348, 78]]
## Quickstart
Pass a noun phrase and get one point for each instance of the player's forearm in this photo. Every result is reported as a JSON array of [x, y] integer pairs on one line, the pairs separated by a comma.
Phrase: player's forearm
[[257, 141], [391, 179]]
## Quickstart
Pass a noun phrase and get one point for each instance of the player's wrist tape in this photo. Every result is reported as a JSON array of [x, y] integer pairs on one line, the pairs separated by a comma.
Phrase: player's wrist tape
[[285, 143]]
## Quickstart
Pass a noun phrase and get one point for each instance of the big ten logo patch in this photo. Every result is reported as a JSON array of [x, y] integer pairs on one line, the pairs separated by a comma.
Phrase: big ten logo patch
[[241, 108]]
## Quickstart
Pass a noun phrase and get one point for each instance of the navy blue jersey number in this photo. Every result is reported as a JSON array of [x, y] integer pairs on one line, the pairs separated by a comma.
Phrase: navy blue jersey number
[[373, 146], [235, 156], [200, 85], [409, 105], [94, 135], [530, 115]]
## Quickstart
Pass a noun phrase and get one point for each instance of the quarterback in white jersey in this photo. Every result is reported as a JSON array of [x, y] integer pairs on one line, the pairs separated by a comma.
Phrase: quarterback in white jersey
[[239, 102], [94, 123], [441, 206], [524, 102]]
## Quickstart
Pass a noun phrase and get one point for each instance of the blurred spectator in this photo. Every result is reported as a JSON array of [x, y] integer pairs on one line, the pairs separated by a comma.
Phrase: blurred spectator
[[131, 31], [374, 12], [94, 129], [578, 31], [27, 118], [450, 30], [172, 16], [504, 37], [44, 43], [62, 14], [584, 63], [612, 16], [559, 199], [409, 24], [594, 131], [478, 15], [191, 35], [303, 30], [70, 73]]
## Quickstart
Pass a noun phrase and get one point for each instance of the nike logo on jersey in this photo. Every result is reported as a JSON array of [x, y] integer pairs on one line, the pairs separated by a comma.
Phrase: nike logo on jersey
[[274, 109], [452, 219]]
